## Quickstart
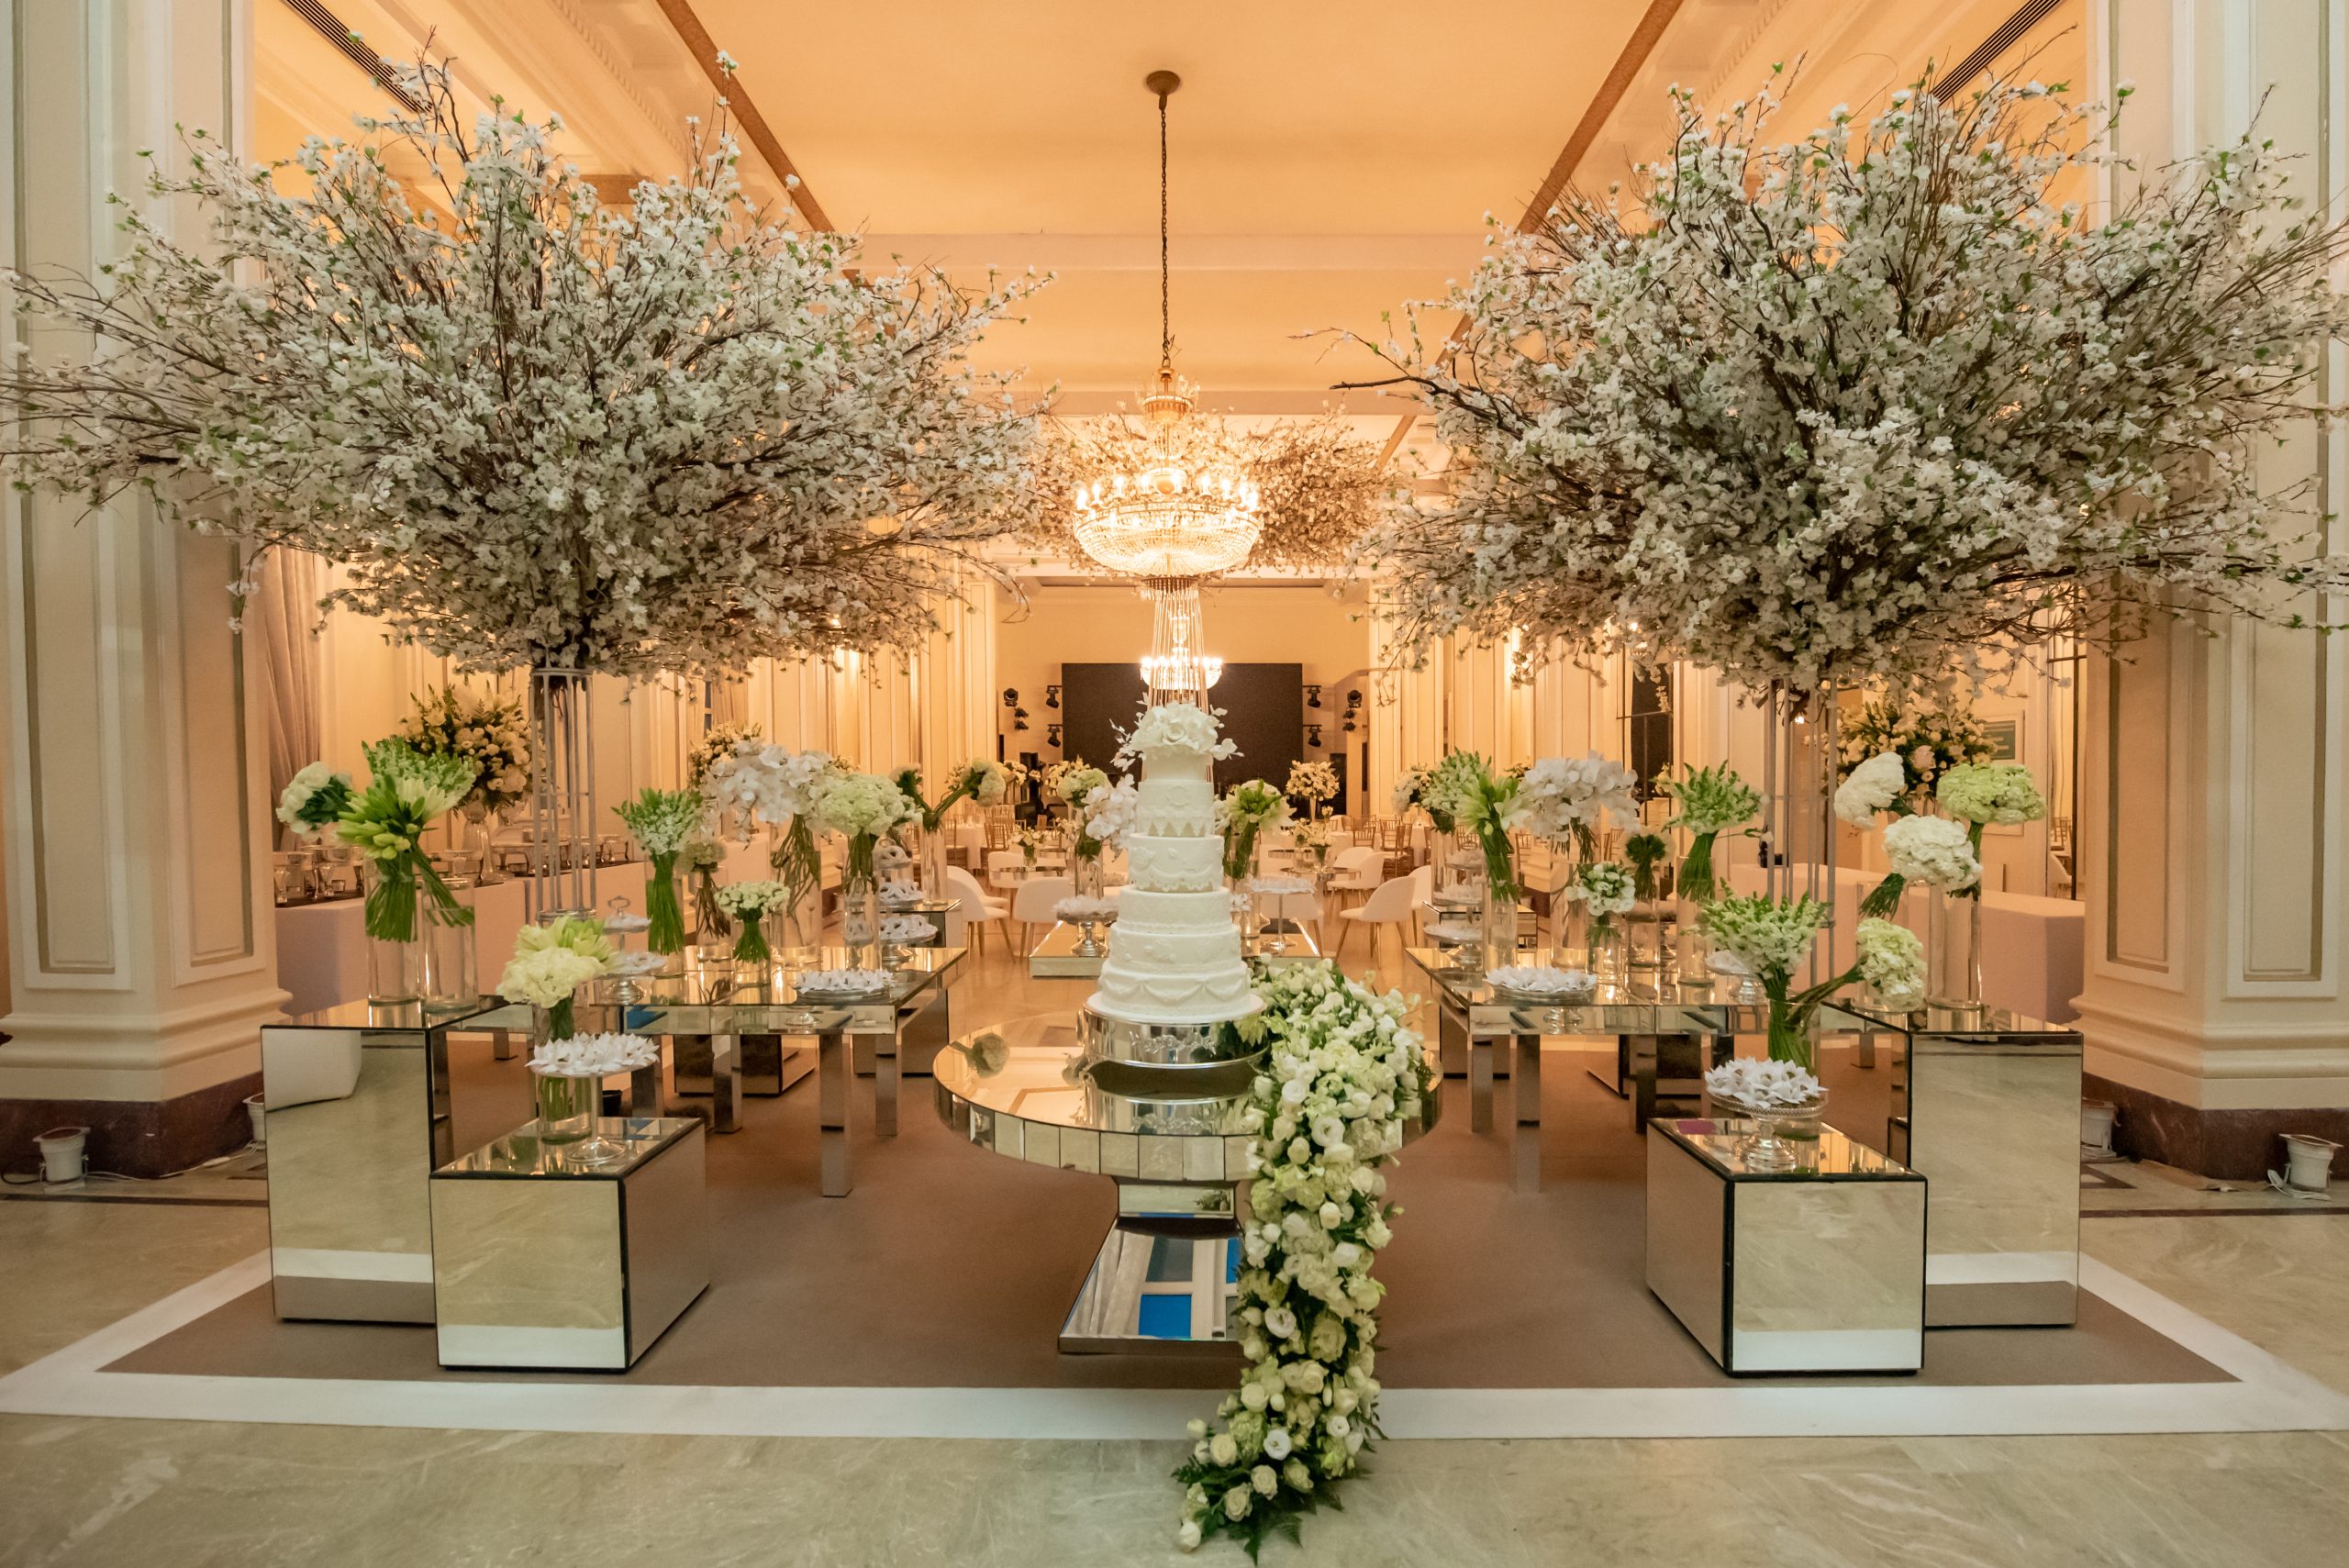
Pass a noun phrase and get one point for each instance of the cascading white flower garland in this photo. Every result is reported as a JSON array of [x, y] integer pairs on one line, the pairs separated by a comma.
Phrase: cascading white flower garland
[[1343, 1072]]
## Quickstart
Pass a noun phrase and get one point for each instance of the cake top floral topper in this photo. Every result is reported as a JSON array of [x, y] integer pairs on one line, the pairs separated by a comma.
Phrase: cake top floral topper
[[1178, 726]]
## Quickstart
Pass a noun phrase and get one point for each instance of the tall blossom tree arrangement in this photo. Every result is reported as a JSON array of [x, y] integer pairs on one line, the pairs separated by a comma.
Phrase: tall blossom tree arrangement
[[1867, 404], [533, 429]]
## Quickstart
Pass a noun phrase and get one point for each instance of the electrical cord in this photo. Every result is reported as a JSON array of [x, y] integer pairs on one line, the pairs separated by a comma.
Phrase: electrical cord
[[34, 1178]]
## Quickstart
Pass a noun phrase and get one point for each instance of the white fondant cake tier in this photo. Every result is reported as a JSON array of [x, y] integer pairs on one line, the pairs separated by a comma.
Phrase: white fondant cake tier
[[1180, 808], [1175, 865], [1174, 952]]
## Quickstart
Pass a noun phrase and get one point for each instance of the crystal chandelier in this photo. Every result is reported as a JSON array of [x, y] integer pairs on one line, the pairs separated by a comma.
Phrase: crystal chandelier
[[1167, 521]]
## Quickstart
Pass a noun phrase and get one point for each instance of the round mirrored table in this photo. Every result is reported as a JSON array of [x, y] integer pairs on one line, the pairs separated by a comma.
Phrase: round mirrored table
[[1167, 1272]]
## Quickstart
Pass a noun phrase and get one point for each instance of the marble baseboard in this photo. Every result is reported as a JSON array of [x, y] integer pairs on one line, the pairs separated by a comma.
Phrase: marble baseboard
[[137, 1138], [2234, 1145]]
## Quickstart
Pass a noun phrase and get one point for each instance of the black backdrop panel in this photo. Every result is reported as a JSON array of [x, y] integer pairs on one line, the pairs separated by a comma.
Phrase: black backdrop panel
[[1264, 706]]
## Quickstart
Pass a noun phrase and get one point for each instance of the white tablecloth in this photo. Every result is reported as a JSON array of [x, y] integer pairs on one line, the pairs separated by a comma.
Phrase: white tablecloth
[[2032, 954]]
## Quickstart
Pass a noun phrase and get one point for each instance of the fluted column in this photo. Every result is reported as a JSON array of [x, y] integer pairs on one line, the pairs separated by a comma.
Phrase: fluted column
[[2212, 814], [141, 962]]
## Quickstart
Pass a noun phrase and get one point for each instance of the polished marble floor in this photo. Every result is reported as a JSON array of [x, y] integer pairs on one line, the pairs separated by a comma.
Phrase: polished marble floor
[[82, 1490]]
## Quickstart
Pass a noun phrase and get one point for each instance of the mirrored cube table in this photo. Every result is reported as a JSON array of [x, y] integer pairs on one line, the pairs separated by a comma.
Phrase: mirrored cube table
[[357, 1113], [1988, 1106], [539, 1260], [1165, 1276], [1819, 1268], [1671, 1034], [1056, 956]]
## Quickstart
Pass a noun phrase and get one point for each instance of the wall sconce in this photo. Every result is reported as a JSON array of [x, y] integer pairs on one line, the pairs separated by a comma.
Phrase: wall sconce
[[1312, 696], [1348, 727], [1052, 736], [1011, 697], [1313, 734], [1052, 696]]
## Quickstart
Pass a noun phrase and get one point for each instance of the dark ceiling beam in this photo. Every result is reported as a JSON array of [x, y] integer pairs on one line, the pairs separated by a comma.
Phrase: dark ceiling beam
[[739, 104]]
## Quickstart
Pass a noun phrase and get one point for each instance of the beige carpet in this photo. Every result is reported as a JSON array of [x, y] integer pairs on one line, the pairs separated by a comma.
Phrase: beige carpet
[[949, 1266]]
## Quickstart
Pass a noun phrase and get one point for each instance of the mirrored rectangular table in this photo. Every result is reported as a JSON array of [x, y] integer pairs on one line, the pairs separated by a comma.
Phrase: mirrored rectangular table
[[1670, 1033], [1987, 1104], [357, 1113], [1056, 957], [1818, 1267], [542, 1259]]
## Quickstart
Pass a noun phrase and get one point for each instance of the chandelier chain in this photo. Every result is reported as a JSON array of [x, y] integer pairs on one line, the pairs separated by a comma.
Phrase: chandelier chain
[[1165, 312]]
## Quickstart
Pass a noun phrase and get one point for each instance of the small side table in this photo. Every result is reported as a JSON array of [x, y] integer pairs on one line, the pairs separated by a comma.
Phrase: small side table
[[1818, 1269], [539, 1261]]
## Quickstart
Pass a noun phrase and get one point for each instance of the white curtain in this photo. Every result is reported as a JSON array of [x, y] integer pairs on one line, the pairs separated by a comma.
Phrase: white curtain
[[285, 614]]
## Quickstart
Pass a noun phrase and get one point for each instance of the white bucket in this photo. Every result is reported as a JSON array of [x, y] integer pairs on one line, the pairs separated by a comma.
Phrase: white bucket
[[2310, 1161], [60, 1152], [254, 1110], [2096, 1126]]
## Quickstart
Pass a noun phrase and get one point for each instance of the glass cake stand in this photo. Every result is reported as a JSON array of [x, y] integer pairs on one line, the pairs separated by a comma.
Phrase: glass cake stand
[[1166, 1273]]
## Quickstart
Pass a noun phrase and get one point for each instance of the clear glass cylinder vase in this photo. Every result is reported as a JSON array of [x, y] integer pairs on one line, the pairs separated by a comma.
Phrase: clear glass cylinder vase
[[1954, 952], [861, 918], [713, 928], [448, 978], [933, 863], [1603, 950], [395, 953], [567, 1106], [1499, 919]]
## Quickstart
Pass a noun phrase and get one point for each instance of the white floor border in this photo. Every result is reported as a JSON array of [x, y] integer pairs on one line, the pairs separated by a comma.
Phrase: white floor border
[[2268, 1396]]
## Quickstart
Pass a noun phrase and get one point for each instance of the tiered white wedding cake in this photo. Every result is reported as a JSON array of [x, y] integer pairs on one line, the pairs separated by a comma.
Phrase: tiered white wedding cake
[[1174, 952]]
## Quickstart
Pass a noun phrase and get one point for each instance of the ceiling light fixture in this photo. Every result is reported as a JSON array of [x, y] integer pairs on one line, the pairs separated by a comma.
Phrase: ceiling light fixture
[[1168, 522]]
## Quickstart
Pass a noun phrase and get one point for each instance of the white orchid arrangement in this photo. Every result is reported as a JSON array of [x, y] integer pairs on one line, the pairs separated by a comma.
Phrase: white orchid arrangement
[[1875, 401], [1178, 726], [532, 428], [1342, 1075], [1312, 781], [1558, 796], [492, 732], [1110, 815], [981, 779]]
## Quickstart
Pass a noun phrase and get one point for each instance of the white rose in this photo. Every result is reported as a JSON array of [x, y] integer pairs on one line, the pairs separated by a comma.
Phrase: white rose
[[1252, 1396], [1236, 1503], [1187, 1537], [1264, 1479], [1330, 1217], [1223, 1450]]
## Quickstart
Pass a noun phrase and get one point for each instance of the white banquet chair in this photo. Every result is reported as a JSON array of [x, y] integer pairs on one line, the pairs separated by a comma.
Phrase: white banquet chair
[[1033, 903], [1392, 902], [977, 908]]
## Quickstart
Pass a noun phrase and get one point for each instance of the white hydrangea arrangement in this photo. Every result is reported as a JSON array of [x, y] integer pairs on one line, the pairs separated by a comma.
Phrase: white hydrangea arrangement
[[1691, 430], [1983, 793], [1070, 782], [313, 800], [1879, 785], [1933, 851], [1892, 964], [1343, 1074], [860, 807], [1178, 726], [1604, 888], [533, 429]]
